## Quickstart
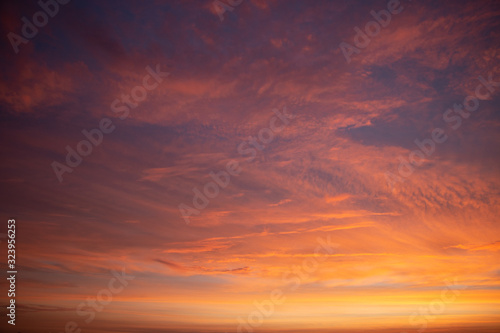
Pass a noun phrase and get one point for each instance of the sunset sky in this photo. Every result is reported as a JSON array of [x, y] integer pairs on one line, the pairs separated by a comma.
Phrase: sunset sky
[[267, 167]]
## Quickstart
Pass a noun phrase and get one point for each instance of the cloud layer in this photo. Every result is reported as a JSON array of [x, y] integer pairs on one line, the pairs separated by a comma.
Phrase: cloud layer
[[324, 175]]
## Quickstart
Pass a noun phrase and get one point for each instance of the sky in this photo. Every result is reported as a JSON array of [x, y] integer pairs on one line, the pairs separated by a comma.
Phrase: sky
[[251, 166]]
